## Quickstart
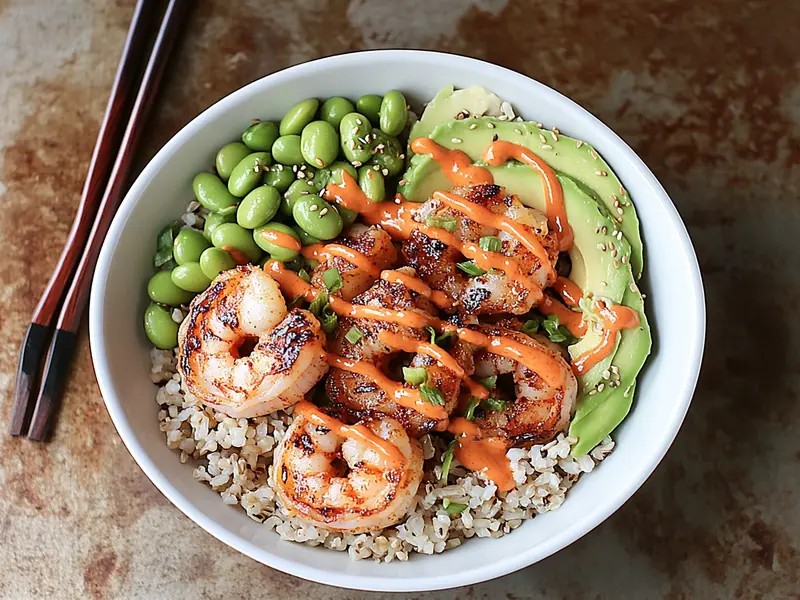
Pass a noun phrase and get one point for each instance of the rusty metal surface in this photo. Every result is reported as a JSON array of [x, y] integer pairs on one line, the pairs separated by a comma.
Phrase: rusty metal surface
[[708, 93]]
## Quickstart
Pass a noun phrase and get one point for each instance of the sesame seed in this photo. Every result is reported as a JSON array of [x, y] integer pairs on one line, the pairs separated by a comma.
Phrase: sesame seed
[[265, 168], [604, 230], [304, 192], [473, 126], [541, 137], [644, 296], [314, 207], [546, 147], [539, 125], [402, 156], [403, 182], [594, 154], [354, 131], [619, 219], [397, 201], [616, 264], [362, 140], [456, 140], [620, 211], [597, 230], [320, 163], [624, 259], [606, 374], [490, 125], [502, 118], [555, 134], [592, 392], [601, 387], [356, 163], [301, 175], [359, 121], [611, 245], [619, 236], [376, 167], [294, 168], [603, 284], [614, 253], [633, 287], [601, 173], [494, 137], [255, 121], [385, 172], [579, 143], [380, 146], [601, 246], [460, 116], [518, 130], [622, 191], [323, 212]]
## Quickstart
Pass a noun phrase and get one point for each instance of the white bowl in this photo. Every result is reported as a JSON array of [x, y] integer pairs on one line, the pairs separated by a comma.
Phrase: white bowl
[[675, 308]]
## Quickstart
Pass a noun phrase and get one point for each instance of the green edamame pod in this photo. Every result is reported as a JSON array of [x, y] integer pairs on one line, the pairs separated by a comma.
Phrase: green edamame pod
[[215, 219], [393, 113], [161, 330], [387, 153], [372, 183], [333, 109], [297, 117], [305, 238], [161, 289], [214, 261], [286, 150], [188, 246], [319, 143], [297, 190], [211, 192], [258, 207], [317, 217], [234, 236], [260, 136], [248, 173], [273, 247], [354, 131], [370, 106], [280, 177], [228, 157], [190, 277], [333, 174]]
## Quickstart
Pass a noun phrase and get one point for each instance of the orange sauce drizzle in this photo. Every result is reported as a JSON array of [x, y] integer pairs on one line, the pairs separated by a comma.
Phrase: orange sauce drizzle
[[406, 396], [440, 299], [615, 318], [239, 257], [571, 319], [279, 238], [568, 290], [359, 432], [398, 342], [457, 165], [477, 452], [354, 257], [500, 152]]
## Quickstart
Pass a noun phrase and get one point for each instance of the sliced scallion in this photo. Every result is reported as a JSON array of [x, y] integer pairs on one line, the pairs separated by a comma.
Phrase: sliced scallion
[[470, 268], [415, 375], [333, 280], [446, 223], [490, 243], [354, 335], [431, 395]]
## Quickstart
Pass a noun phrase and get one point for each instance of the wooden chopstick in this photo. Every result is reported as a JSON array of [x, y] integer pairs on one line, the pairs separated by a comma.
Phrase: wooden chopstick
[[40, 329], [60, 353]]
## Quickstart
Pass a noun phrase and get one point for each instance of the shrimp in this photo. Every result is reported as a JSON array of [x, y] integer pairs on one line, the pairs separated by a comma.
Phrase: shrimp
[[496, 291], [373, 248], [240, 351], [347, 478], [360, 392], [540, 411]]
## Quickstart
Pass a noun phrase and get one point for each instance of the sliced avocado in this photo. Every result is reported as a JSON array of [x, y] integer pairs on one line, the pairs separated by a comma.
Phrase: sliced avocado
[[564, 154], [449, 102]]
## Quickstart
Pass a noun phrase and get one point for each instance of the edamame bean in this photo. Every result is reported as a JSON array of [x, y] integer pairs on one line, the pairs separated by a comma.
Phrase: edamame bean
[[161, 330], [388, 153], [280, 177], [228, 157], [286, 150], [190, 277], [215, 219], [317, 217], [258, 207], [297, 190], [297, 117], [161, 289], [393, 113], [248, 173], [305, 238], [372, 183], [333, 173], [276, 251], [319, 143], [260, 136], [370, 105], [233, 235], [214, 261], [354, 130], [188, 246], [348, 216], [211, 192], [333, 109]]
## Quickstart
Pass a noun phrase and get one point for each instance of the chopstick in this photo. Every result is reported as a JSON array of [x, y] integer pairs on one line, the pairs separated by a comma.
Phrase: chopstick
[[60, 352], [40, 329]]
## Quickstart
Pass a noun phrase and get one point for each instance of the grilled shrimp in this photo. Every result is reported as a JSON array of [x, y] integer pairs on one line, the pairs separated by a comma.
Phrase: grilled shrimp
[[493, 292], [240, 351], [540, 411], [359, 392], [374, 252], [339, 479]]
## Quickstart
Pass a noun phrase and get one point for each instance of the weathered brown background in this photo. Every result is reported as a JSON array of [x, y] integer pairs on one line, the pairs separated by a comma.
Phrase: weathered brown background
[[707, 92]]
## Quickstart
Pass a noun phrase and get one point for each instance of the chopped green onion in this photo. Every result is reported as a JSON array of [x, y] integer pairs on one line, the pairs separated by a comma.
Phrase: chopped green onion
[[470, 268], [440, 338], [446, 223], [432, 331], [415, 375], [453, 508], [329, 321], [469, 415], [489, 382], [494, 404], [447, 460], [531, 326], [490, 243], [294, 303], [319, 303], [303, 274], [431, 395], [354, 335], [164, 245], [332, 279], [557, 333]]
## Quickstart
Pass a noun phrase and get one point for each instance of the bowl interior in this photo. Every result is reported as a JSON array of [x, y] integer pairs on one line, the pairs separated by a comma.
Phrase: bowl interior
[[120, 349]]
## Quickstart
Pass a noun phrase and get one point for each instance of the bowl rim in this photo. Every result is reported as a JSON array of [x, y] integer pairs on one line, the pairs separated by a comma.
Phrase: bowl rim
[[491, 570]]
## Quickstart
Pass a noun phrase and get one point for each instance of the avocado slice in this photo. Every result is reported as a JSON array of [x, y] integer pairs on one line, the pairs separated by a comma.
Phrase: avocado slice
[[596, 272], [564, 154], [449, 102]]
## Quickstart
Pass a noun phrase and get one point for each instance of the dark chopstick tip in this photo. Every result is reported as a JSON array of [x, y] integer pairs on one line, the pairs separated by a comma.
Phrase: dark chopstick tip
[[54, 376], [32, 351]]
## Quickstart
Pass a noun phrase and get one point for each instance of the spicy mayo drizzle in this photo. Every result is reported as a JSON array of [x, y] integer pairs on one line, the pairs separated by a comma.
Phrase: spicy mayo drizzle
[[457, 165], [615, 318], [354, 257], [440, 299], [362, 433], [279, 238], [477, 452]]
